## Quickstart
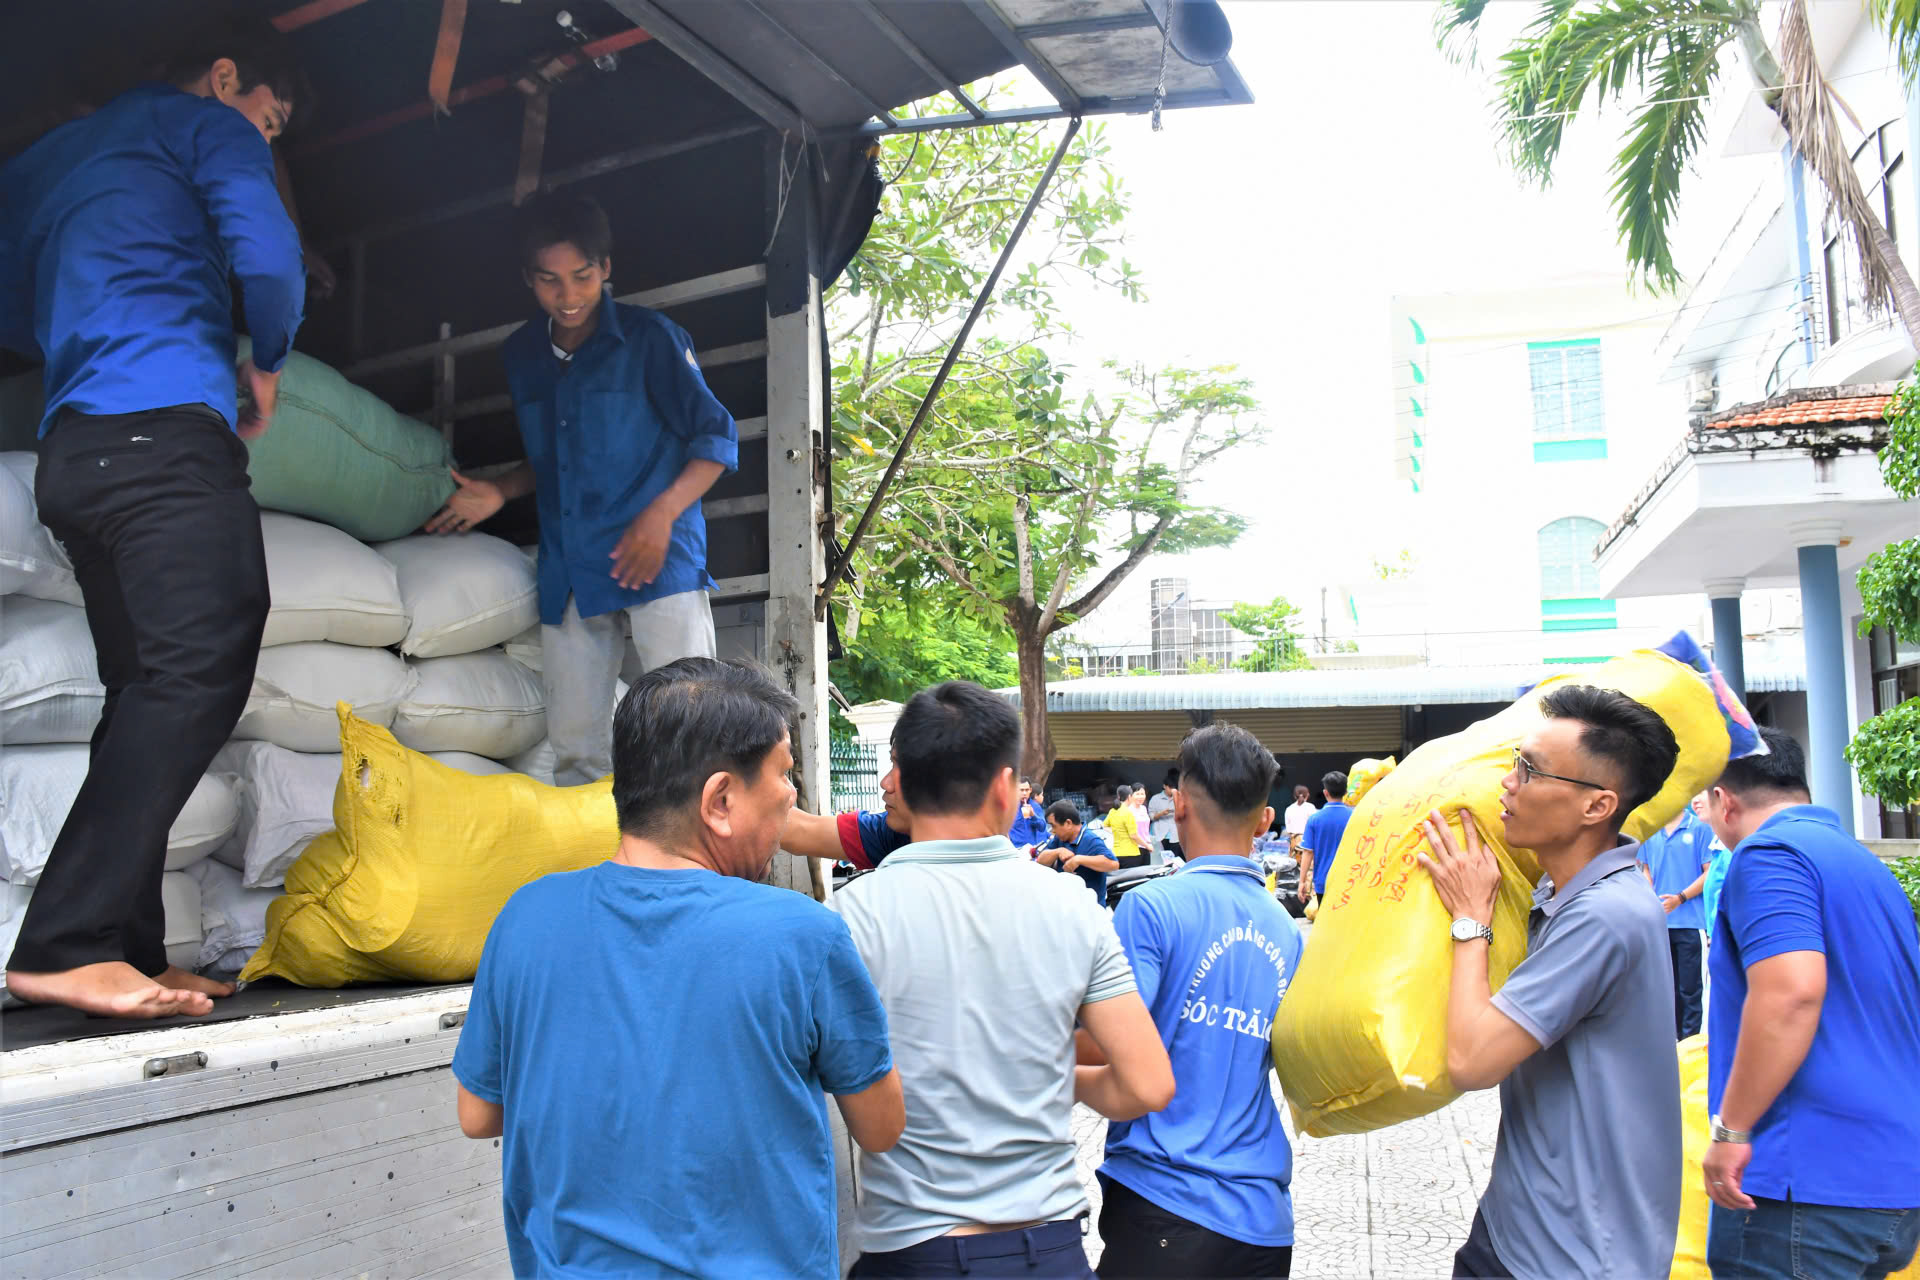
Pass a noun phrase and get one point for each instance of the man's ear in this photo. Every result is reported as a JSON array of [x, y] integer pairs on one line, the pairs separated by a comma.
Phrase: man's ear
[[1602, 806], [1266, 818], [718, 798], [223, 78], [1181, 807]]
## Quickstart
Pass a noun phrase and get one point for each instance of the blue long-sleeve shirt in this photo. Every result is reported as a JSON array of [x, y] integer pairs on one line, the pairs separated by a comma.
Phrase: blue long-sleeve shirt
[[118, 235], [607, 434]]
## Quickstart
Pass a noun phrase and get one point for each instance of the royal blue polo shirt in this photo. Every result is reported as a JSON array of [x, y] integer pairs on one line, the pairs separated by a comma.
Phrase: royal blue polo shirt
[[1213, 955], [1091, 844], [1676, 858], [866, 839], [119, 233], [1846, 1129], [1322, 835], [608, 432]]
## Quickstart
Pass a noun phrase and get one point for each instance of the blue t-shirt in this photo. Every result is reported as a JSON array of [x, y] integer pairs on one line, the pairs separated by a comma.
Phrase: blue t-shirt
[[1676, 858], [866, 839], [1846, 1129], [1029, 824], [118, 236], [662, 1079], [607, 434], [1322, 835], [1710, 891], [1212, 953], [1092, 844]]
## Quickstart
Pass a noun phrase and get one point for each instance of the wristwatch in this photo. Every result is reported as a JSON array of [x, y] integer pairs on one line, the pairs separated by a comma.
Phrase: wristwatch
[[1720, 1133], [1466, 929]]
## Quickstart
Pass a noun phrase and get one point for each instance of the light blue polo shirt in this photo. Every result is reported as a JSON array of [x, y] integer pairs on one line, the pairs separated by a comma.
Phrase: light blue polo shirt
[[1676, 858], [1846, 1129], [1213, 954], [983, 959]]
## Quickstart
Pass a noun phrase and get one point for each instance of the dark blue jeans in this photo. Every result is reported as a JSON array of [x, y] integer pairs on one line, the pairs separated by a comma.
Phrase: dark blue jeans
[[1785, 1240], [1051, 1251]]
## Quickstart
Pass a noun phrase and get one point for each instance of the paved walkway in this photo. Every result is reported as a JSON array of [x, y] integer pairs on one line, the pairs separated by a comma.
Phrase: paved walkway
[[1389, 1205]]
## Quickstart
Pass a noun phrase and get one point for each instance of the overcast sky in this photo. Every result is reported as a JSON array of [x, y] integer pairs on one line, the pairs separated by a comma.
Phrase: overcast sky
[[1274, 237]]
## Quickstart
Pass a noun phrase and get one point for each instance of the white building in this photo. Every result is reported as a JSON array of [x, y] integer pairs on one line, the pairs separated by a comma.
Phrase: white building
[[1768, 481]]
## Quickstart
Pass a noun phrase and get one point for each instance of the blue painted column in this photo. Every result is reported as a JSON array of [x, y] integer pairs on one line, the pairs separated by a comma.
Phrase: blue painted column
[[1824, 630], [1729, 637]]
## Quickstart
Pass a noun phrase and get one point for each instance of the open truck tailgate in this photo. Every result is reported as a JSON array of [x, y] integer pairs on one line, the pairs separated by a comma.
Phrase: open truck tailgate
[[305, 1141]]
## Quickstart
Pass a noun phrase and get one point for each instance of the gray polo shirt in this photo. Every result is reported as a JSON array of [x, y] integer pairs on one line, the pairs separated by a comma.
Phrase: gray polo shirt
[[983, 959], [1586, 1175]]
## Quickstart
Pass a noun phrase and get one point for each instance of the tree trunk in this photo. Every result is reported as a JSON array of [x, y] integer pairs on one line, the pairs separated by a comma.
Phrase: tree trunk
[[1036, 739], [1906, 296]]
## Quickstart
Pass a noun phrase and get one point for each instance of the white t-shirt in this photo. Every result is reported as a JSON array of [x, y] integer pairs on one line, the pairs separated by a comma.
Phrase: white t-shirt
[[1297, 815]]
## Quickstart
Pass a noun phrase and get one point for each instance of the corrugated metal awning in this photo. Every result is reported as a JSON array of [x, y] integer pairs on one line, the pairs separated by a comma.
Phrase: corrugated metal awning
[[1156, 735], [1379, 687]]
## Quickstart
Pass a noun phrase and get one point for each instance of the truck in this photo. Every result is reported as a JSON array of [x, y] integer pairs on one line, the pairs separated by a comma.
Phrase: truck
[[732, 143]]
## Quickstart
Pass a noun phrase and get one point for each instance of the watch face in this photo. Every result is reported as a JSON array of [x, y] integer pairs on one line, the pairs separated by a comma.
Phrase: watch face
[[1465, 930]]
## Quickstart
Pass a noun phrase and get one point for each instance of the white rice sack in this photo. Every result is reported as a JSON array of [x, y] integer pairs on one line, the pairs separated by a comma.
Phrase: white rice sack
[[485, 703], [285, 799], [180, 896], [536, 764], [463, 593], [295, 687], [328, 585], [525, 648], [233, 918], [38, 785], [50, 689], [32, 563], [468, 762]]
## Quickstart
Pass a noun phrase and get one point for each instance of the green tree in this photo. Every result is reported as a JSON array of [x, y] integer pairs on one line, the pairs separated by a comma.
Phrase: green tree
[[1276, 638], [1661, 59], [897, 651], [1023, 503], [1885, 753]]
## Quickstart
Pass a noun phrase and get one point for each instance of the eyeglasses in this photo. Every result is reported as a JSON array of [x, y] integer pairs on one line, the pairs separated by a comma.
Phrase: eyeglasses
[[1528, 773]]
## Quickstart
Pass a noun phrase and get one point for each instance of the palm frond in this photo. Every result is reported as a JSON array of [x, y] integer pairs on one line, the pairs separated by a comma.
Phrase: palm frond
[[1666, 132], [1572, 57], [1900, 19], [1456, 29], [1806, 110]]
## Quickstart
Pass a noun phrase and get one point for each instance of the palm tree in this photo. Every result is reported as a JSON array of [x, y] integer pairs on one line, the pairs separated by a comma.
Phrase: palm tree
[[1663, 57]]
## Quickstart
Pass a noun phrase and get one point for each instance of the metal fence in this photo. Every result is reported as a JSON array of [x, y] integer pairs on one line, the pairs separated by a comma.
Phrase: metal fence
[[854, 779]]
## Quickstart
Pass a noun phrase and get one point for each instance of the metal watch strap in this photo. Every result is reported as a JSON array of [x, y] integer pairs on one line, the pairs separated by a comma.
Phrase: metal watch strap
[[1720, 1133]]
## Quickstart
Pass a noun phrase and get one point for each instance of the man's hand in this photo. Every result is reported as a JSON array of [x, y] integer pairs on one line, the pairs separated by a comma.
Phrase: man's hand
[[1466, 880], [472, 502], [642, 549], [1046, 857], [322, 276], [1723, 1169], [1670, 902], [1071, 864], [262, 396]]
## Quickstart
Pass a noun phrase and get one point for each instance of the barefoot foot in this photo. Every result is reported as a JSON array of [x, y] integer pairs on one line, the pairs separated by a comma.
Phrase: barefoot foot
[[112, 989], [180, 980]]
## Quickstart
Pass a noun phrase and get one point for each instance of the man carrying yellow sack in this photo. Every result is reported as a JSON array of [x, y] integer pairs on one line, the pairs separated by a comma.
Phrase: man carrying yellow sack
[[1586, 1173]]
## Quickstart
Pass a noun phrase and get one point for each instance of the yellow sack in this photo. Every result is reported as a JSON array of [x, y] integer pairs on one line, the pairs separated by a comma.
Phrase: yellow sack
[[1364, 774], [1361, 1039], [422, 861], [1690, 1242]]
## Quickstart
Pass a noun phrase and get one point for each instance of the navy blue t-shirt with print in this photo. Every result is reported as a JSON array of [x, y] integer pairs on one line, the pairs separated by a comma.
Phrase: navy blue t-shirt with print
[[1090, 844], [660, 1042]]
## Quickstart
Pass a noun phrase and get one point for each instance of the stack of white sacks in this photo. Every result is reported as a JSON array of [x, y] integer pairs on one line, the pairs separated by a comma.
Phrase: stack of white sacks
[[414, 634]]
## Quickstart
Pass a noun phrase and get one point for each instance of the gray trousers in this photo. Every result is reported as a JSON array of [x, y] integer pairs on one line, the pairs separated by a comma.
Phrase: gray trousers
[[581, 660]]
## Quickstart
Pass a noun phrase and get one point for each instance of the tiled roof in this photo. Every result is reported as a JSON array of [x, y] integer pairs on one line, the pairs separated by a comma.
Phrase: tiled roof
[[1807, 407]]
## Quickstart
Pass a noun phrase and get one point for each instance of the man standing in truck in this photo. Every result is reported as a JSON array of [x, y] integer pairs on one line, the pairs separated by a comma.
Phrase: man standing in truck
[[623, 439], [118, 236]]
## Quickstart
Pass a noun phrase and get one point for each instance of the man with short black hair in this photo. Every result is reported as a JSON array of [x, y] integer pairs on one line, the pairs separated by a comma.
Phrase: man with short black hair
[[1029, 821], [1814, 1168], [1320, 840], [623, 440], [985, 962], [1586, 1173], [1077, 848], [1165, 827], [119, 234], [631, 1052], [1202, 1187]]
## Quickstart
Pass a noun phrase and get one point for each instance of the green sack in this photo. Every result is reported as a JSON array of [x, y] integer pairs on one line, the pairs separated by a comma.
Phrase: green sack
[[333, 453], [339, 454]]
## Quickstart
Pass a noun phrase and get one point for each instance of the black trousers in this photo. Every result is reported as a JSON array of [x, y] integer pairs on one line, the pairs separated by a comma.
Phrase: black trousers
[[164, 535], [1476, 1259], [1143, 1240], [1685, 947]]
